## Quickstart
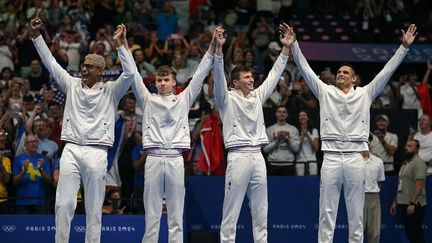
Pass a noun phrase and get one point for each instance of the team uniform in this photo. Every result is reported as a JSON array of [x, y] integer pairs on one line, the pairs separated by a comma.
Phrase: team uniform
[[372, 206], [88, 130], [345, 124], [165, 136], [244, 134]]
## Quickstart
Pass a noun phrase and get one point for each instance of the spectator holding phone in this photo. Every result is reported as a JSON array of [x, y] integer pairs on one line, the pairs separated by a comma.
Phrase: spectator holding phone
[[384, 144]]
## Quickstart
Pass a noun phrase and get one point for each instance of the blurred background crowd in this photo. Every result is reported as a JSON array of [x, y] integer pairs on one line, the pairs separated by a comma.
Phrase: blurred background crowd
[[177, 33]]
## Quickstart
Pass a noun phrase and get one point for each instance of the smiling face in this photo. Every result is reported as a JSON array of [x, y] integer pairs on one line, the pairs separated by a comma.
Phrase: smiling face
[[425, 122], [91, 71], [31, 144], [303, 117], [345, 77], [245, 82]]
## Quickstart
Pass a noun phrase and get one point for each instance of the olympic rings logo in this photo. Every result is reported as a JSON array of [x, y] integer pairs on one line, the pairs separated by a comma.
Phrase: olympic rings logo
[[80, 228], [196, 226], [8, 228]]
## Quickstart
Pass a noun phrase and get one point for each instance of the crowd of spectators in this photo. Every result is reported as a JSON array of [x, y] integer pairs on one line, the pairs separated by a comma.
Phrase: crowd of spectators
[[177, 33]]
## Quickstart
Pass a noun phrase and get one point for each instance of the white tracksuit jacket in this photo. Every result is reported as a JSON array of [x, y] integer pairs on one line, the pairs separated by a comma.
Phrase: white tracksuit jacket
[[165, 134], [346, 117], [88, 129], [242, 117], [89, 113], [344, 132], [165, 118], [244, 133]]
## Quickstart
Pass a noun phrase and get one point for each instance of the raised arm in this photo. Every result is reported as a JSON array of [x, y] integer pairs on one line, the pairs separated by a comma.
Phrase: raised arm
[[220, 84], [122, 84], [378, 83], [428, 71], [195, 85], [138, 88], [314, 83], [60, 75], [269, 84]]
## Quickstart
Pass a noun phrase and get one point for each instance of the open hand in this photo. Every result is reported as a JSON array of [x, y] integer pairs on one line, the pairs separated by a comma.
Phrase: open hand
[[409, 36], [286, 35]]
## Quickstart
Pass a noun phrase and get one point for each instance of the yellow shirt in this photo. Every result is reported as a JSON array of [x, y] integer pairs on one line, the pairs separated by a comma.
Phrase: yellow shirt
[[7, 165]]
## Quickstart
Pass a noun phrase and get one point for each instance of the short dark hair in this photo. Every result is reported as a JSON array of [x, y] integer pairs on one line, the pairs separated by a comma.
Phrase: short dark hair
[[416, 141], [137, 50], [235, 73], [349, 65], [53, 103]]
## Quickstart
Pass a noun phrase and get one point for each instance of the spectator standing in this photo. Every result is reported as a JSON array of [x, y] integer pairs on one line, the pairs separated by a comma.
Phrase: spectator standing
[[5, 172], [424, 136], [306, 161], [166, 21], [374, 171], [31, 171], [410, 200], [283, 144], [384, 143]]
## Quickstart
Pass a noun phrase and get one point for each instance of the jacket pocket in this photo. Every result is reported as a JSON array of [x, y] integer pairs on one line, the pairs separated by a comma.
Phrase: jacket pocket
[[67, 127]]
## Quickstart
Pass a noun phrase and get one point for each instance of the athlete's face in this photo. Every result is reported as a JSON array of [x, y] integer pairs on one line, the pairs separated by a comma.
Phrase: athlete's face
[[245, 83], [165, 84], [90, 72], [345, 77]]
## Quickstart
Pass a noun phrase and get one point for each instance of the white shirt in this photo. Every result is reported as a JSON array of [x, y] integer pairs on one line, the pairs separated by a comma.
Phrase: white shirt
[[410, 100], [378, 148], [425, 140], [306, 152], [374, 173], [6, 58]]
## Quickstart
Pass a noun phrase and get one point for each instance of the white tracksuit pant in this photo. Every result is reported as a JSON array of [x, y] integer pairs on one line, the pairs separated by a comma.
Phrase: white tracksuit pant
[[337, 170], [164, 176], [246, 173], [88, 163]]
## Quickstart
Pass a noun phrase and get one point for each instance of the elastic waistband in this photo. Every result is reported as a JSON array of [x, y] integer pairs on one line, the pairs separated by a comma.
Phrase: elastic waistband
[[165, 155], [281, 163], [248, 149], [158, 152], [342, 152]]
